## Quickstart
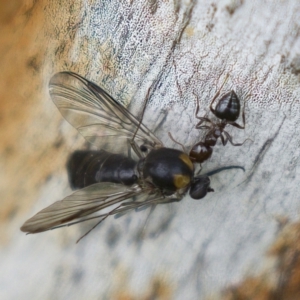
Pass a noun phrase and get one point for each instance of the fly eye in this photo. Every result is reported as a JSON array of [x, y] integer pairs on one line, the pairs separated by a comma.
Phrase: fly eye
[[143, 148], [200, 187]]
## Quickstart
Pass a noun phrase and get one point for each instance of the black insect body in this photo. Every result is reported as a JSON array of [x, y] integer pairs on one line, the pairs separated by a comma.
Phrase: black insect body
[[107, 178], [86, 167], [228, 111], [228, 107], [168, 169]]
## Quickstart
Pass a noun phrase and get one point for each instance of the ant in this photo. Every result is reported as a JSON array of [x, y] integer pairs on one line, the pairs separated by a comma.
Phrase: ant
[[228, 111]]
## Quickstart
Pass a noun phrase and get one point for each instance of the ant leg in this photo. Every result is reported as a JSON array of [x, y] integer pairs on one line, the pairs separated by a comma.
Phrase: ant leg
[[202, 120], [204, 127], [217, 94], [200, 168], [229, 137], [238, 125], [224, 140], [197, 107], [171, 137]]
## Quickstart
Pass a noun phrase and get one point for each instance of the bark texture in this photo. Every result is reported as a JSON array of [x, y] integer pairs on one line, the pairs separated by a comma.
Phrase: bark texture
[[218, 247]]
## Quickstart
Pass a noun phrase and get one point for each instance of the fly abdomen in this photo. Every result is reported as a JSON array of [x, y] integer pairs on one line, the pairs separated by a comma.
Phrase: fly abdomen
[[88, 167]]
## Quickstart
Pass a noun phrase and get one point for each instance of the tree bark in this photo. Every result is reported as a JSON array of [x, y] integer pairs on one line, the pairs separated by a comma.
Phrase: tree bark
[[182, 51]]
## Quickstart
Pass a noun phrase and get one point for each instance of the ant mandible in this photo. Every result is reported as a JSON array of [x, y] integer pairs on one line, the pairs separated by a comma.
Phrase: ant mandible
[[228, 111]]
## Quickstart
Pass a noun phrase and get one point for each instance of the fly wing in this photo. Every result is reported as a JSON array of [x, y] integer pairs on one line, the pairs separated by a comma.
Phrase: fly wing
[[96, 115], [81, 203]]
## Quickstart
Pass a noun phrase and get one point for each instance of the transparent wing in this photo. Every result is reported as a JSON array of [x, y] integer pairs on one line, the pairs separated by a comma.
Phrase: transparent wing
[[96, 115], [79, 204], [87, 201]]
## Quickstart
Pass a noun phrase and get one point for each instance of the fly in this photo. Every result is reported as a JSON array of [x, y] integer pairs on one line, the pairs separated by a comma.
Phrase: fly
[[159, 175]]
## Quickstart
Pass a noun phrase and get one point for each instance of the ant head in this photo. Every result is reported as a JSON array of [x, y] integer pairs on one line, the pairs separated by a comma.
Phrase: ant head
[[200, 187]]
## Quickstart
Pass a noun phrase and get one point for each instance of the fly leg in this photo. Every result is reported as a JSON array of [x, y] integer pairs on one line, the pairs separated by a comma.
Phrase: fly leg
[[137, 149], [112, 212]]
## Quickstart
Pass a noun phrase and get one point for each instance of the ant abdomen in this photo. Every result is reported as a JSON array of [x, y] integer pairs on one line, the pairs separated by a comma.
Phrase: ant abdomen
[[228, 107]]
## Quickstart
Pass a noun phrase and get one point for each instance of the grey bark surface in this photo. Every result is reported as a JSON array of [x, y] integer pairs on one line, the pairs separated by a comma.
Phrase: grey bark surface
[[182, 51]]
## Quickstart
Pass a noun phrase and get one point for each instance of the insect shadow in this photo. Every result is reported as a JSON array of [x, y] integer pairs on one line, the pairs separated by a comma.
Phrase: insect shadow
[[87, 167], [111, 178]]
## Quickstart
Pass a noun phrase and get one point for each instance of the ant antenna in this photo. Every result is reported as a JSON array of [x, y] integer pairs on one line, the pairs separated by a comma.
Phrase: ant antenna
[[171, 137]]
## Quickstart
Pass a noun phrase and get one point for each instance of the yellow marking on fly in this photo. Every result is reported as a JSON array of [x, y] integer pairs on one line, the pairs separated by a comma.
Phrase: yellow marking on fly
[[185, 158], [180, 181]]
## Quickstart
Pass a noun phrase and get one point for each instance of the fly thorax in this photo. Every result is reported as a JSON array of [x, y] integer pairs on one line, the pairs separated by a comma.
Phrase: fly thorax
[[168, 169]]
